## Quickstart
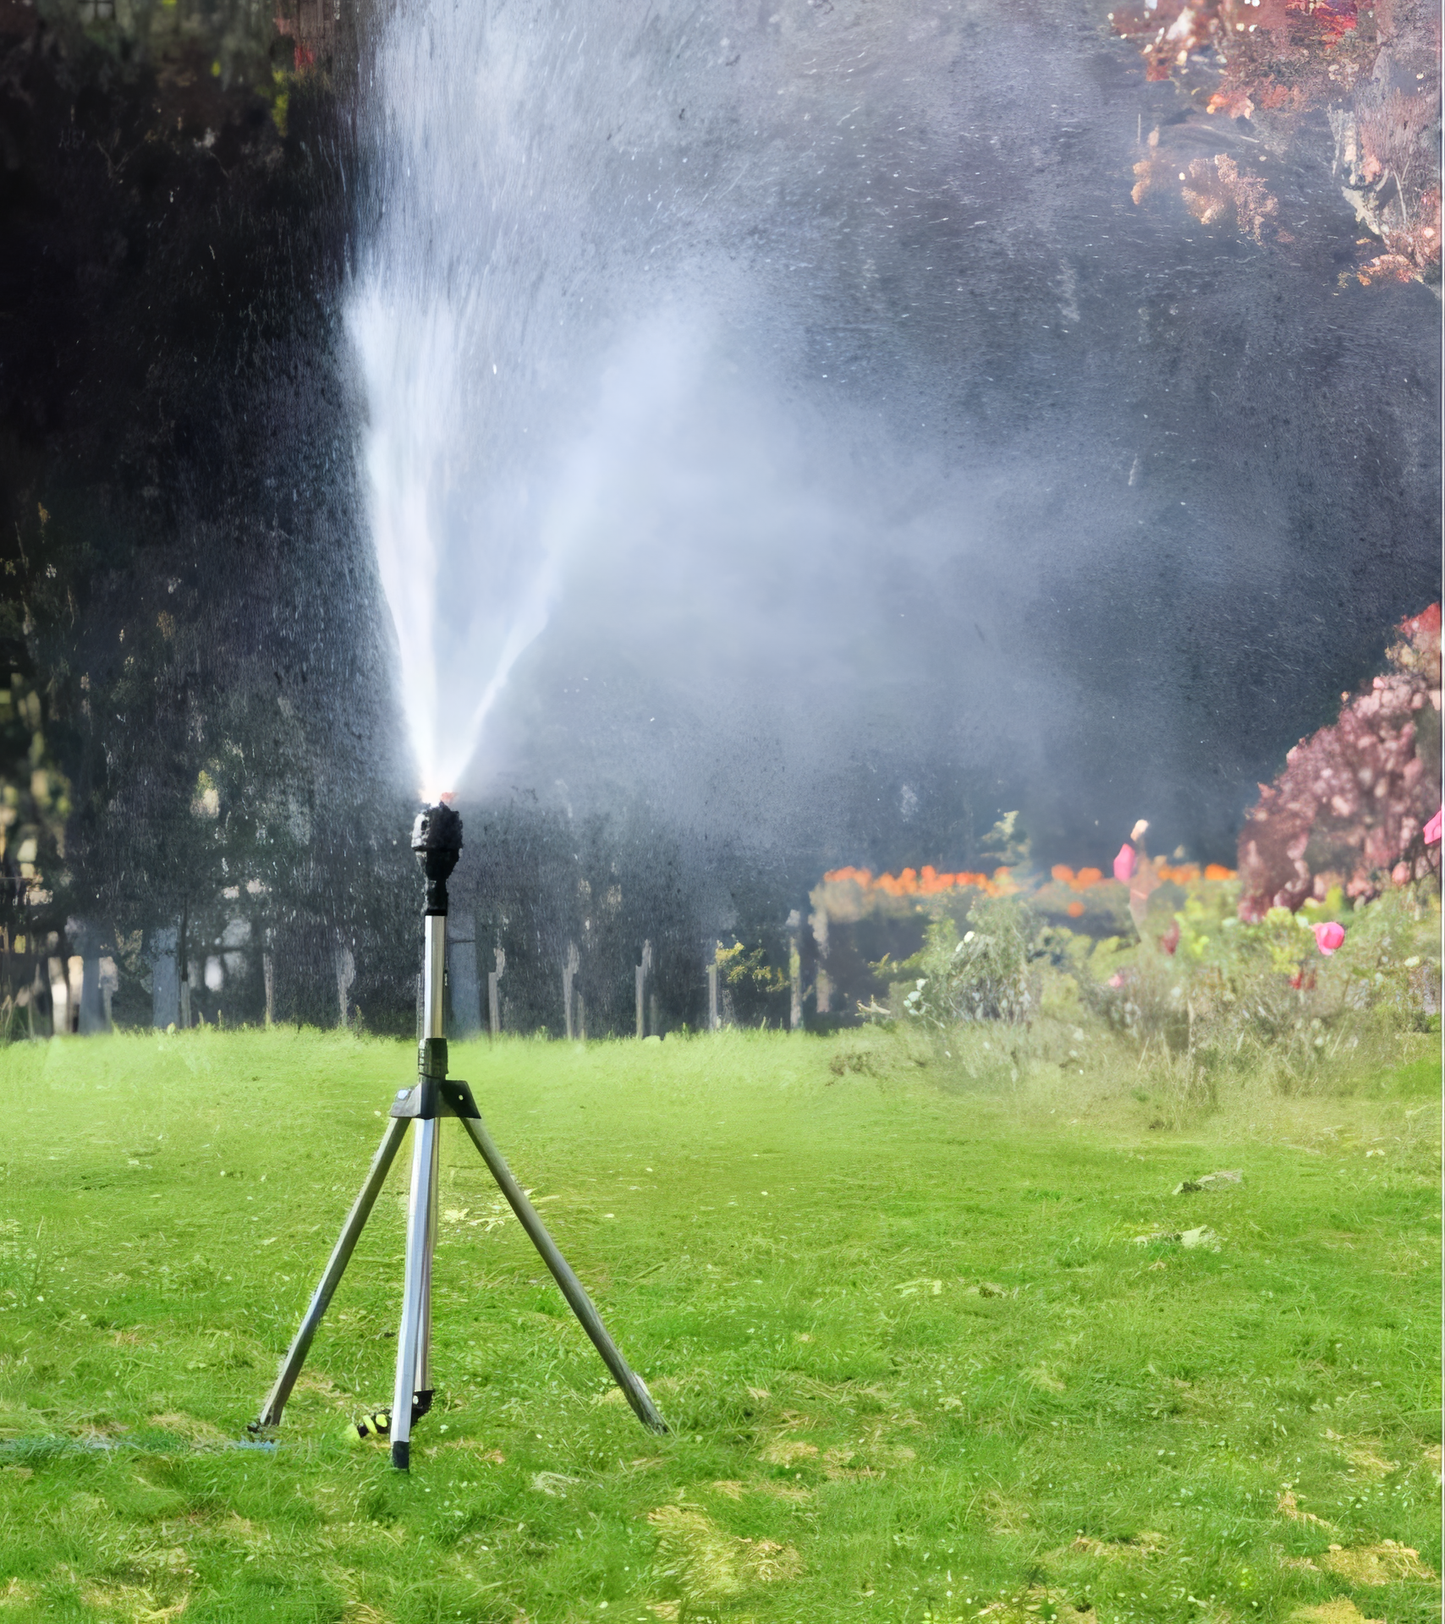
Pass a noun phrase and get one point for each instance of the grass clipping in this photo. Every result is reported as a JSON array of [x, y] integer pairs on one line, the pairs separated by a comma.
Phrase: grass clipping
[[708, 1564]]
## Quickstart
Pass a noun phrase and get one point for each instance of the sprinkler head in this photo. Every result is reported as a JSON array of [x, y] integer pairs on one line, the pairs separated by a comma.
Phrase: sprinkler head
[[436, 838]]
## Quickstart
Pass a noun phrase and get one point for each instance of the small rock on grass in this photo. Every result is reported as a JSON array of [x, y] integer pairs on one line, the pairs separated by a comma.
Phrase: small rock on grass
[[1210, 1181], [1189, 1238]]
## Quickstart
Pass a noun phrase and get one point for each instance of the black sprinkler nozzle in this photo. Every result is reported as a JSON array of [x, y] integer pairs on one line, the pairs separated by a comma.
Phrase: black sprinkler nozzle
[[436, 838]]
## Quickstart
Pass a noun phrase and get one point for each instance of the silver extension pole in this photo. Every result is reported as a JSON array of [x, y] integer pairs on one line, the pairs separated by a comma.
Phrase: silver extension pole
[[434, 1022], [412, 1352], [423, 1338]]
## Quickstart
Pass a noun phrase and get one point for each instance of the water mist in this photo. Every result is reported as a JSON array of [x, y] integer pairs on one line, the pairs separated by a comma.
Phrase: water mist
[[450, 283], [789, 411]]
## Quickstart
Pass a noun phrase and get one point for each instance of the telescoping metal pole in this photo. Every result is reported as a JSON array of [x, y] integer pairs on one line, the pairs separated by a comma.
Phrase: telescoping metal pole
[[433, 1026], [411, 1348], [437, 840]]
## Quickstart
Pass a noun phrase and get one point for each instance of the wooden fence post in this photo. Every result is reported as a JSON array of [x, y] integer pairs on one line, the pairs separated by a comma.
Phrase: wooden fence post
[[462, 979], [165, 978], [494, 1001], [642, 972], [570, 966], [822, 984], [345, 963]]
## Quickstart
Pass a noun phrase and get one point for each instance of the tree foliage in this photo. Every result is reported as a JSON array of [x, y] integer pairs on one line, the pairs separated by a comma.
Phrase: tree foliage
[[1350, 807], [1266, 77], [178, 508]]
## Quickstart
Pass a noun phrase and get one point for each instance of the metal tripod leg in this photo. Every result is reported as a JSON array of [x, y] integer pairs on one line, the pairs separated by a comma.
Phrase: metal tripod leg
[[341, 1255], [414, 1292], [634, 1389], [423, 1338]]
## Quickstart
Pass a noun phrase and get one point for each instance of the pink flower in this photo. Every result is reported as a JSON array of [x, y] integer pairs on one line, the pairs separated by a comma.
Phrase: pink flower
[[1170, 939], [1124, 864], [1432, 829], [1117, 979], [1329, 937]]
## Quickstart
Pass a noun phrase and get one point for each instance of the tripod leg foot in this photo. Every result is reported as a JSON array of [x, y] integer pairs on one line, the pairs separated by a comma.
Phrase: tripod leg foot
[[401, 1454]]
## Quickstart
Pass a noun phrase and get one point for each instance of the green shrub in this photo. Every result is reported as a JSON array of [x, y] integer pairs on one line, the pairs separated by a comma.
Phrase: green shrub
[[986, 975], [1204, 996]]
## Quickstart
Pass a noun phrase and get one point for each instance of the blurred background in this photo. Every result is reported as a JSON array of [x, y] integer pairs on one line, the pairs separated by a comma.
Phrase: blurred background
[[724, 449]]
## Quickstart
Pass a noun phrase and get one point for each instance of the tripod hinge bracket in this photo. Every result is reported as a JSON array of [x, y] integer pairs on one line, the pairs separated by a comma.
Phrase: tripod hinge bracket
[[435, 1098]]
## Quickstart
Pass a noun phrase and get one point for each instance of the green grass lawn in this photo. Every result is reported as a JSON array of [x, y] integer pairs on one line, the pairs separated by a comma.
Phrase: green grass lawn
[[916, 1362]]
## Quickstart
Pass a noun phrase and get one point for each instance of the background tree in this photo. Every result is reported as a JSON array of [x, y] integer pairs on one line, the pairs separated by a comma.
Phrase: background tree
[[1351, 805], [178, 498], [1356, 84]]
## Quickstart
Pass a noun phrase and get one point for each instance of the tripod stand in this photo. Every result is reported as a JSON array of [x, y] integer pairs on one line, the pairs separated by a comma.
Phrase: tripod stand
[[437, 840]]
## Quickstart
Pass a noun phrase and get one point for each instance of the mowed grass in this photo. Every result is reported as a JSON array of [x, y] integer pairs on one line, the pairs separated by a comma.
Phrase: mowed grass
[[916, 1363]]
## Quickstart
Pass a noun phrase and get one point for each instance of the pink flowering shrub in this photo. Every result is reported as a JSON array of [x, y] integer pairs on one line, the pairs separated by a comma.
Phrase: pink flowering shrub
[[1351, 806], [1331, 998], [1297, 999]]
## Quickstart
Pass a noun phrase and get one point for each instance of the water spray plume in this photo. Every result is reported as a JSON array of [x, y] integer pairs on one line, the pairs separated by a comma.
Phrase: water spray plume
[[432, 523], [437, 315]]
